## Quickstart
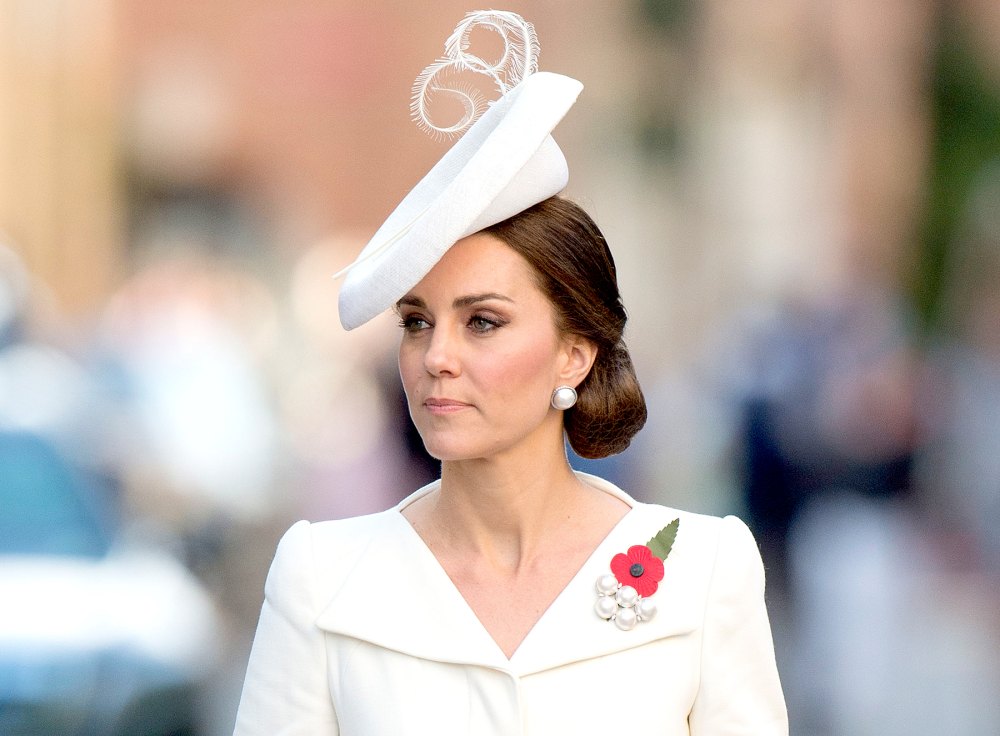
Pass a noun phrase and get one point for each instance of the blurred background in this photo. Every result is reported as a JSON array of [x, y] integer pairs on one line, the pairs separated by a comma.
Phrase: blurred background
[[804, 202]]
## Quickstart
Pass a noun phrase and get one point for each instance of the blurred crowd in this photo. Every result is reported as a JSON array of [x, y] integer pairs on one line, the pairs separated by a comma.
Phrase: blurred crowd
[[202, 413], [208, 410]]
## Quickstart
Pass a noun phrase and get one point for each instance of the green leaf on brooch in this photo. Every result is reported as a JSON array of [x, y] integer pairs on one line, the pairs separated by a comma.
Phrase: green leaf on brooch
[[661, 544]]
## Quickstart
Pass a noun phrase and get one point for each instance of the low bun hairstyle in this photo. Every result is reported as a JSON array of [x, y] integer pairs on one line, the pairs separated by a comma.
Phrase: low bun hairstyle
[[576, 271]]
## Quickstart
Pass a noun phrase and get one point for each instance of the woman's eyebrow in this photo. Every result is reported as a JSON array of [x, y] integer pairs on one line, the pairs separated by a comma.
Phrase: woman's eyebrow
[[466, 301], [412, 301], [462, 301]]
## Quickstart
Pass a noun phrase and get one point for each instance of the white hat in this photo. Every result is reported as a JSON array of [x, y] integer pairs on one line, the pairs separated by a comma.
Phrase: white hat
[[505, 163]]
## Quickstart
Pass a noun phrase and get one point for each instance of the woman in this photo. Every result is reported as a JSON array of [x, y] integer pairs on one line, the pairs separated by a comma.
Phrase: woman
[[472, 608]]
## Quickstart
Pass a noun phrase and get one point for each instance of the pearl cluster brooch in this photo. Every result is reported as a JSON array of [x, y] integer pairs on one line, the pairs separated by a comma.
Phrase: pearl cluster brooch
[[622, 603], [623, 595]]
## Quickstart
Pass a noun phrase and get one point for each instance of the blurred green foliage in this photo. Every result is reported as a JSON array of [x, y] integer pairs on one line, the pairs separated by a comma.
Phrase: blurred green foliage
[[658, 128], [667, 16], [965, 109]]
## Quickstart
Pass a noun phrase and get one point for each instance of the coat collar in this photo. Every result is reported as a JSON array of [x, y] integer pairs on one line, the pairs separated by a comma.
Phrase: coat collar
[[400, 598]]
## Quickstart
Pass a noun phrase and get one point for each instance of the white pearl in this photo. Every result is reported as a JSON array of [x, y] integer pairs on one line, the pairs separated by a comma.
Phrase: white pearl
[[626, 619], [607, 584], [626, 596], [606, 606], [646, 609], [563, 398]]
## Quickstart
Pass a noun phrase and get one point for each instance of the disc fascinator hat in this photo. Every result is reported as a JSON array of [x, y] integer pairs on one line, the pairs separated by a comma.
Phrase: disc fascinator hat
[[505, 162]]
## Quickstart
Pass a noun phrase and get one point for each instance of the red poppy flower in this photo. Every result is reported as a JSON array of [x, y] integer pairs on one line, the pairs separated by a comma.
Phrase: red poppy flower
[[640, 568]]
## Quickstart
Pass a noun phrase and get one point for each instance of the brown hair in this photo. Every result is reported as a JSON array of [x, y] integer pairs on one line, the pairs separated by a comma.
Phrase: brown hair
[[576, 272]]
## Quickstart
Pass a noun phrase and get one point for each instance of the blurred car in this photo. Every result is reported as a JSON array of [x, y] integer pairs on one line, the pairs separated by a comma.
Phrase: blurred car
[[98, 636]]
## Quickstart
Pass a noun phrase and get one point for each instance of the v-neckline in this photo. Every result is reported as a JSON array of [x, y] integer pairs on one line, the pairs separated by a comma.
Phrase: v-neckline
[[444, 579]]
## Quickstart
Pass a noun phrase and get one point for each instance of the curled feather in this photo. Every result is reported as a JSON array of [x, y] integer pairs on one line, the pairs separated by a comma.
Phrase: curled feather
[[435, 82], [518, 60]]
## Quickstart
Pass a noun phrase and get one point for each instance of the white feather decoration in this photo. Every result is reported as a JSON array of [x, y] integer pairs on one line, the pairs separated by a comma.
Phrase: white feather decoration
[[518, 60]]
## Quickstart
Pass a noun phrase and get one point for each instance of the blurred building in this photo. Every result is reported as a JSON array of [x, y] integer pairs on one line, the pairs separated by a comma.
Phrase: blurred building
[[60, 202]]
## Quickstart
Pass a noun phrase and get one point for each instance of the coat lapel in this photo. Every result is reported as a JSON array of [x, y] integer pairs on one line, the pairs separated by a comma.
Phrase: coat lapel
[[400, 598], [571, 630]]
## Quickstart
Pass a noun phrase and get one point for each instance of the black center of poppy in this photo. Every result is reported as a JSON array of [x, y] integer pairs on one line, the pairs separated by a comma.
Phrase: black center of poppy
[[636, 570]]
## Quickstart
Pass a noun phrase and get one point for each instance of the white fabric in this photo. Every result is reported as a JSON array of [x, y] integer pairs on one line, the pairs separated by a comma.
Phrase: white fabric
[[505, 163], [362, 633]]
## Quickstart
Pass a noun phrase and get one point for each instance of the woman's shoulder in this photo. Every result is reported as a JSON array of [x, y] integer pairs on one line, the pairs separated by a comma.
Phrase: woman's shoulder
[[314, 558], [705, 528], [336, 536], [704, 535], [700, 523]]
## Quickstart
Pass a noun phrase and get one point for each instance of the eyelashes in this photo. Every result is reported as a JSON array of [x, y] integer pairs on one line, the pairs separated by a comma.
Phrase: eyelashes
[[483, 324], [413, 323], [480, 324]]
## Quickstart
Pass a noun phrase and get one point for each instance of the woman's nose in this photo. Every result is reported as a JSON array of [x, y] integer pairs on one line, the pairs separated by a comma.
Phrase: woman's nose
[[442, 356]]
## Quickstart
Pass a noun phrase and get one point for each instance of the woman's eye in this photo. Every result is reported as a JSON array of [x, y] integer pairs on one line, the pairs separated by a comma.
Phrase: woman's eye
[[484, 324], [414, 323]]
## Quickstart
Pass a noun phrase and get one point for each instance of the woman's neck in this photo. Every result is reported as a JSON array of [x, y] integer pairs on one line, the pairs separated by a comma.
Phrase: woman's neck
[[503, 510]]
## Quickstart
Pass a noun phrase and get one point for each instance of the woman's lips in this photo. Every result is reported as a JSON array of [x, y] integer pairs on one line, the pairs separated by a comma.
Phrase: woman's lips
[[444, 406]]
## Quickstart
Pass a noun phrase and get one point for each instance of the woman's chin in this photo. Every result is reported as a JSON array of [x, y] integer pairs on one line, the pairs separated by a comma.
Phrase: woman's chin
[[456, 449], [449, 454]]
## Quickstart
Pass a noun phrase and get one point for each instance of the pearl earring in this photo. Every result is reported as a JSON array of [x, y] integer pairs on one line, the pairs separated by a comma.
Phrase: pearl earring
[[563, 398]]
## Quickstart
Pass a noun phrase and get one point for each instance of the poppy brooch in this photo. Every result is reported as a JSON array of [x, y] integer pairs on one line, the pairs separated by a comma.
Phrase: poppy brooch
[[623, 595]]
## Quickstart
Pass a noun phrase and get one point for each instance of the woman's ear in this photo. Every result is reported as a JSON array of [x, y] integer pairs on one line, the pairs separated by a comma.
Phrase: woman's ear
[[580, 354]]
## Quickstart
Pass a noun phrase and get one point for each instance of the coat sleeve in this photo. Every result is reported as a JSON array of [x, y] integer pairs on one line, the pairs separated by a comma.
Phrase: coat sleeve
[[739, 693], [285, 692]]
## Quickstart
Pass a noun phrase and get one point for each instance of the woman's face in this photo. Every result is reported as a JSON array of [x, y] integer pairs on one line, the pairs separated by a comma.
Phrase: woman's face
[[481, 354]]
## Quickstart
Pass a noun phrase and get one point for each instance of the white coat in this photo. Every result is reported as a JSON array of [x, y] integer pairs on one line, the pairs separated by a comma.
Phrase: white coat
[[362, 633]]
